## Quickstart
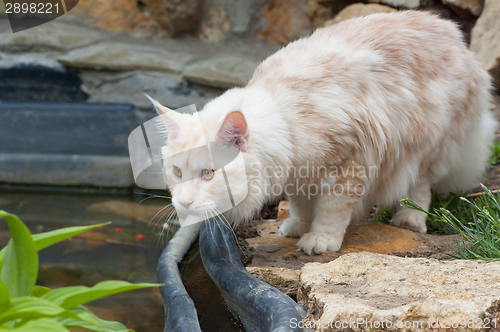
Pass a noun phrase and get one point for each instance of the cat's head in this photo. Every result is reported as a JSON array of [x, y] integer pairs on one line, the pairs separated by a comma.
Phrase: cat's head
[[202, 162]]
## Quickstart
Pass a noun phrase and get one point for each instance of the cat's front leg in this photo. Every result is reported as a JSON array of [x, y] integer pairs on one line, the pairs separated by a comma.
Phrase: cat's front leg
[[301, 212], [332, 214]]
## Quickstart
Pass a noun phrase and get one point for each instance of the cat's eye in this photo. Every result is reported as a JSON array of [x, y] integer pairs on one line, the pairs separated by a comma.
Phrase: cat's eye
[[207, 174], [177, 172]]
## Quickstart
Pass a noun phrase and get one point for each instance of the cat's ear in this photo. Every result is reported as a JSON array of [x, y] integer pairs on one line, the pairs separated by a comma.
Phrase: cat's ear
[[234, 130], [170, 118]]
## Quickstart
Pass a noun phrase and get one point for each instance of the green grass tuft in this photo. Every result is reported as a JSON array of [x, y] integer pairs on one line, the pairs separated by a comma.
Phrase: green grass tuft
[[453, 203], [478, 223], [495, 154]]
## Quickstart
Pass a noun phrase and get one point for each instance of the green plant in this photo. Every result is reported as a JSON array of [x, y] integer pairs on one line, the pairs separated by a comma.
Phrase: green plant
[[495, 153], [28, 308], [480, 237], [384, 214], [453, 203]]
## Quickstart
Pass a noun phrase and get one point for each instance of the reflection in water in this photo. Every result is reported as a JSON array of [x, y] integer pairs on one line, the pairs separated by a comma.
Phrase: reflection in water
[[128, 249]]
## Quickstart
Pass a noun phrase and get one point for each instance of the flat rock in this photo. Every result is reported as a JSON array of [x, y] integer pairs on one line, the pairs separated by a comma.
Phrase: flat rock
[[53, 36], [399, 3], [485, 39], [359, 10], [45, 60], [286, 280], [66, 170], [125, 56], [169, 89], [372, 237], [362, 291], [224, 72], [465, 6]]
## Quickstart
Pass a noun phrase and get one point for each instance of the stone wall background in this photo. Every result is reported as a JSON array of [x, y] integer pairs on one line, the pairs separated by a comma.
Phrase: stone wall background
[[279, 22], [198, 48], [271, 21]]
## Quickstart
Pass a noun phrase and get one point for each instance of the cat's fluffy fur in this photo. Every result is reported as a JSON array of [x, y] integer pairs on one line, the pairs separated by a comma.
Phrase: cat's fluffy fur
[[399, 93]]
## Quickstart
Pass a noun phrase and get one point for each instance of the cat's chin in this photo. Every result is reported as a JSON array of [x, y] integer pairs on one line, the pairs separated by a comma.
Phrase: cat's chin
[[190, 219]]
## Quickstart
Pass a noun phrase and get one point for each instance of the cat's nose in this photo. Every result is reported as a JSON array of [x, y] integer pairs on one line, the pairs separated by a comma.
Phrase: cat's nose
[[186, 204]]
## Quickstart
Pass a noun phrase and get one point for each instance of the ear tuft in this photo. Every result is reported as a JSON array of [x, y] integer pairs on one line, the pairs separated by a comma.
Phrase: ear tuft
[[159, 107], [167, 117], [234, 130]]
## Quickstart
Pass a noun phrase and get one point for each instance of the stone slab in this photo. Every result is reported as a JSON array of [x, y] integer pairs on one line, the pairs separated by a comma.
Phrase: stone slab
[[66, 170], [362, 291], [126, 56], [47, 60], [485, 39], [54, 36], [473, 7], [359, 10], [227, 71], [400, 3], [37, 77], [66, 128], [372, 237], [286, 280], [169, 89]]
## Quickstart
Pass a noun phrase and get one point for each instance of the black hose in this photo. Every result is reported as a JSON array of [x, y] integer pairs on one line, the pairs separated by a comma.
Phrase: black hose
[[257, 305], [180, 313]]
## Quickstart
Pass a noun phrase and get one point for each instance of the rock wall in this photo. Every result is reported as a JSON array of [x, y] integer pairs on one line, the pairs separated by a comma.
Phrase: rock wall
[[272, 21], [280, 21]]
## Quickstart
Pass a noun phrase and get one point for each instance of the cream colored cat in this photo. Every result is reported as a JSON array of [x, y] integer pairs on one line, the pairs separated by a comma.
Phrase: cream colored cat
[[364, 112]]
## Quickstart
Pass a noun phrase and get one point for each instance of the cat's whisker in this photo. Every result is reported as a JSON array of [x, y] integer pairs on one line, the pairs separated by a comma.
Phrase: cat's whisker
[[151, 195], [166, 206], [214, 217], [167, 220], [227, 224], [165, 232]]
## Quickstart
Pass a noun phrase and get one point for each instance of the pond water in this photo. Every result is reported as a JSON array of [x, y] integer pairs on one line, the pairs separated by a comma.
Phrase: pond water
[[128, 249]]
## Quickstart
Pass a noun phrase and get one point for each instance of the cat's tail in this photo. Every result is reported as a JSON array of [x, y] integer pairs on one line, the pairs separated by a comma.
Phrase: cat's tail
[[470, 159]]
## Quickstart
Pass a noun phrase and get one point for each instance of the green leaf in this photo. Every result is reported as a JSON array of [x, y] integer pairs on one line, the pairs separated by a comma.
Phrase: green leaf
[[86, 319], [39, 325], [27, 307], [4, 294], [39, 291], [44, 240], [21, 258], [70, 297]]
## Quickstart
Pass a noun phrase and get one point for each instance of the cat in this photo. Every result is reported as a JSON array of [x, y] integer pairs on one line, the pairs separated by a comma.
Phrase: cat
[[371, 110]]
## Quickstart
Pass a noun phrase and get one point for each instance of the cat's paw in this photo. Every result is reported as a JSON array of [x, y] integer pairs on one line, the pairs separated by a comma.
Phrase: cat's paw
[[318, 243], [410, 219], [293, 228]]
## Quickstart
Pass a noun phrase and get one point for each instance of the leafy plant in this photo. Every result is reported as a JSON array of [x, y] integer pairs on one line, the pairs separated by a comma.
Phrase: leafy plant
[[481, 236], [495, 153], [29, 308]]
